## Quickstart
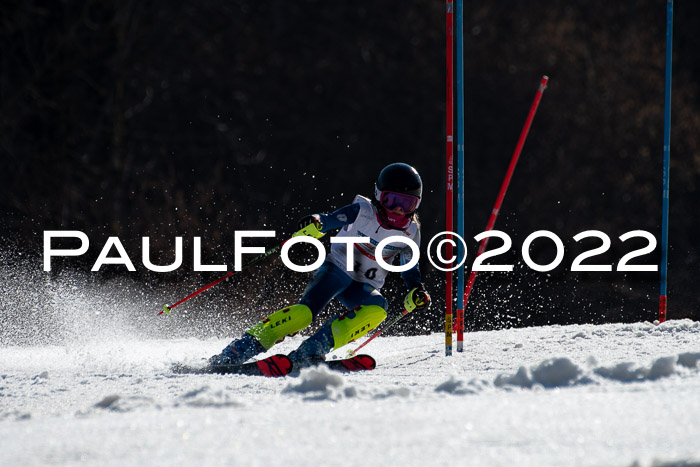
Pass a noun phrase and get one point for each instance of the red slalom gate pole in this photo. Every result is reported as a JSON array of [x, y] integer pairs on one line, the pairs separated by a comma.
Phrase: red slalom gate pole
[[449, 177], [501, 195]]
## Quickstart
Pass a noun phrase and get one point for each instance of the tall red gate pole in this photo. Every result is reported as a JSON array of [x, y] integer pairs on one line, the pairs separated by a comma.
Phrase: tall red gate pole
[[449, 178]]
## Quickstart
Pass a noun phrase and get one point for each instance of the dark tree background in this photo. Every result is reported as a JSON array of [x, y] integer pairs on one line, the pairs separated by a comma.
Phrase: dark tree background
[[167, 119]]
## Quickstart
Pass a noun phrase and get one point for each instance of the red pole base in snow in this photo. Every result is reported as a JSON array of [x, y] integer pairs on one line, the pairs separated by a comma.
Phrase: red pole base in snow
[[460, 330], [662, 308]]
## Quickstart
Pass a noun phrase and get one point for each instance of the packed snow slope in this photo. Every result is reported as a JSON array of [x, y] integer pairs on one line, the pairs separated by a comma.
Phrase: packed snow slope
[[607, 395]]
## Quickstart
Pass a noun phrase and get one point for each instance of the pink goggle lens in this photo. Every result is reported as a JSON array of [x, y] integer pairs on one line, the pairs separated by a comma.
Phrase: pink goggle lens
[[392, 200]]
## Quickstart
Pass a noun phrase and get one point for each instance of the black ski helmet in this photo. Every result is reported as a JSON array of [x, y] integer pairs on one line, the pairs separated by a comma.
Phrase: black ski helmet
[[400, 178], [397, 195]]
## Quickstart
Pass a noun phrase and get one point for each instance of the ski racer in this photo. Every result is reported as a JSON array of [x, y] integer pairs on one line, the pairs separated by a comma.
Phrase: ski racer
[[392, 212]]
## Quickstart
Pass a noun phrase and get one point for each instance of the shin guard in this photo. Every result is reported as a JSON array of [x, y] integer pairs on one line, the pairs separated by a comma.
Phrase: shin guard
[[356, 323], [281, 324]]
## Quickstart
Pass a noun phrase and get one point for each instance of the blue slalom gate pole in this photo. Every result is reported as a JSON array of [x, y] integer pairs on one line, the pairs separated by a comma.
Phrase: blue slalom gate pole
[[460, 171], [667, 161]]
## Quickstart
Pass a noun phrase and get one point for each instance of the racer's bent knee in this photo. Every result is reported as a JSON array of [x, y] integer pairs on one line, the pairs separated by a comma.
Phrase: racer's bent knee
[[355, 324], [280, 324]]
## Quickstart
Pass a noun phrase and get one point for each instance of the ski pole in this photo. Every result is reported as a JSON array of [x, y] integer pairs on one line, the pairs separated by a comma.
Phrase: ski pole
[[352, 353], [167, 309], [497, 205]]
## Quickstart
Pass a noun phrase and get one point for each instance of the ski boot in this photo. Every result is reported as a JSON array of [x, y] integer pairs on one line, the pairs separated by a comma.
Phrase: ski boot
[[261, 337], [335, 333]]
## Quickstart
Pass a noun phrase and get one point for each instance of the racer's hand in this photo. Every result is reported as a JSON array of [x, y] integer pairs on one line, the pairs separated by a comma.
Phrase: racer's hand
[[417, 299], [310, 225]]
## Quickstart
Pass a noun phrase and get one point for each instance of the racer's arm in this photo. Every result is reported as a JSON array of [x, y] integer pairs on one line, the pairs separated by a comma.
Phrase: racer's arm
[[339, 218], [411, 277], [417, 297], [335, 220]]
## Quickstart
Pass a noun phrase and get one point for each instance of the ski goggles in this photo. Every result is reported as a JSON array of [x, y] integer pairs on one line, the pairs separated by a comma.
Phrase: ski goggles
[[391, 200]]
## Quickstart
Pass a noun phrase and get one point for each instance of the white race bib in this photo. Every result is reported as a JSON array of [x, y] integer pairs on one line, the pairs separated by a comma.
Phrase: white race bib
[[365, 266]]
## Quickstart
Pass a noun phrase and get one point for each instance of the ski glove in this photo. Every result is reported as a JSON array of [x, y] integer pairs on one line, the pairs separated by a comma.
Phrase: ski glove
[[310, 225], [417, 299]]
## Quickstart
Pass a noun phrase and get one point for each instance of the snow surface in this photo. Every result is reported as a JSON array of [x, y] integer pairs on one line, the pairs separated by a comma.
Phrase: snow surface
[[605, 395]]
